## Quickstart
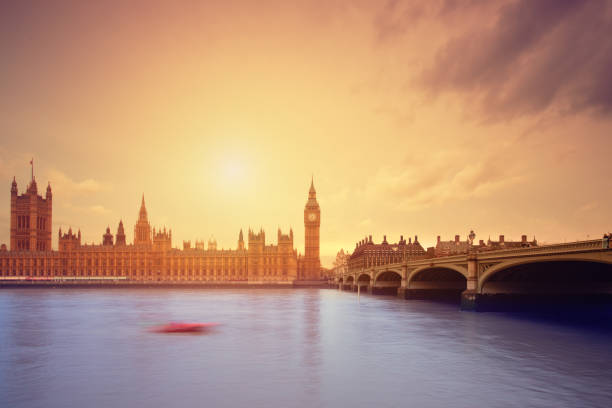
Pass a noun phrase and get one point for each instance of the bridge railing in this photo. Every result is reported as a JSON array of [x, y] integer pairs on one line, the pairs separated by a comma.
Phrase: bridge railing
[[562, 247], [450, 258], [416, 262]]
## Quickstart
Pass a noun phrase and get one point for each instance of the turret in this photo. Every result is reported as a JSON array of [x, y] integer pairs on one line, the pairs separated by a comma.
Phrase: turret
[[142, 215], [142, 229], [120, 237], [107, 238], [240, 241], [49, 196], [69, 241], [212, 244], [285, 242], [31, 218], [162, 240]]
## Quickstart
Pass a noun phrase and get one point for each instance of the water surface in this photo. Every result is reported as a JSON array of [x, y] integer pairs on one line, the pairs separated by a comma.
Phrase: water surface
[[288, 348]]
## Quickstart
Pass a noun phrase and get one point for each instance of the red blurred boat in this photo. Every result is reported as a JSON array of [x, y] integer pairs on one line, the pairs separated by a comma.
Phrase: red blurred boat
[[183, 327]]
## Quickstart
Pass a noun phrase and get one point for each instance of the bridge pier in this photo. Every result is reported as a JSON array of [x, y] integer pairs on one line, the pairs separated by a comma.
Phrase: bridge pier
[[383, 290], [363, 287], [470, 298], [403, 290], [443, 295]]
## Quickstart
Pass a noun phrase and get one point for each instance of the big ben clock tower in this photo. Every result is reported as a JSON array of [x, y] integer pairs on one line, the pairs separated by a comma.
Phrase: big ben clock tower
[[312, 222]]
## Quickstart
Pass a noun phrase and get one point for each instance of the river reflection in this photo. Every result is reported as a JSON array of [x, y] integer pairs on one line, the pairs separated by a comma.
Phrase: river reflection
[[288, 348]]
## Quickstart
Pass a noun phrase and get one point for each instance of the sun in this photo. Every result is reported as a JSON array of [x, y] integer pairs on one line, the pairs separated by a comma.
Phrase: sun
[[233, 170], [233, 174]]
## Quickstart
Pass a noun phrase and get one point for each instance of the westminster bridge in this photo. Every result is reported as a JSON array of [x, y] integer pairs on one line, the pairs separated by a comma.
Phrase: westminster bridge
[[485, 280]]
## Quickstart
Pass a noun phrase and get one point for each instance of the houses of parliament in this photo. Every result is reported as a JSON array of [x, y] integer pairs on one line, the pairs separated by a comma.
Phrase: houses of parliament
[[151, 257]]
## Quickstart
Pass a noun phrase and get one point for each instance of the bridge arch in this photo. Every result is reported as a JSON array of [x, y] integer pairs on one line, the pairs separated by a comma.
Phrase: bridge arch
[[437, 282], [350, 279], [420, 273], [387, 282], [562, 274], [364, 278], [388, 275]]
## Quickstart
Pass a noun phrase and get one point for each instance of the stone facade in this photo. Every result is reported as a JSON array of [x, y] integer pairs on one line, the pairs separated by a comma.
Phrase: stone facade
[[367, 253], [341, 263], [312, 221], [31, 220], [151, 258], [502, 243], [457, 247], [453, 247]]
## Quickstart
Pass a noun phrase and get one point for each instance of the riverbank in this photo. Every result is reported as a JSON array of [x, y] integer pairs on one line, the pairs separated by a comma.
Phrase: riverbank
[[162, 284]]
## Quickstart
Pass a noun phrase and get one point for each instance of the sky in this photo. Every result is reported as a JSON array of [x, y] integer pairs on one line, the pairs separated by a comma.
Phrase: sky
[[414, 118]]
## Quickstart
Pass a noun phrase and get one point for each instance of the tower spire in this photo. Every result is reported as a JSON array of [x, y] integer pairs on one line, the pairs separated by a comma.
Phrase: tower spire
[[143, 210], [32, 164], [312, 193]]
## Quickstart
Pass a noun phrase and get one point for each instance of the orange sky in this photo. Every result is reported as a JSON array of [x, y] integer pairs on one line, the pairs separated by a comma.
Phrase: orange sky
[[424, 119]]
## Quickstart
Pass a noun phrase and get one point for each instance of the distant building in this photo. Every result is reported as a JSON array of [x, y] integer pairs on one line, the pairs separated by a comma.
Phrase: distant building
[[341, 263], [31, 220], [310, 263], [367, 253], [453, 247], [503, 244], [151, 256], [457, 247]]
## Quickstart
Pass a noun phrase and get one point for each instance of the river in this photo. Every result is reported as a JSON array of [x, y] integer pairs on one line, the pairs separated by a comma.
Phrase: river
[[288, 348]]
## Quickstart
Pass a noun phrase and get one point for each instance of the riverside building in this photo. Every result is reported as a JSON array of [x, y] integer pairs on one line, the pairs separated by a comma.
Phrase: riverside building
[[151, 257]]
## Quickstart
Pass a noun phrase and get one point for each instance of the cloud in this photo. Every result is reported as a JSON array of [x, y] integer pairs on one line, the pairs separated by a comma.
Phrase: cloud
[[367, 222], [95, 209], [99, 209], [514, 58], [63, 184], [441, 177], [339, 196]]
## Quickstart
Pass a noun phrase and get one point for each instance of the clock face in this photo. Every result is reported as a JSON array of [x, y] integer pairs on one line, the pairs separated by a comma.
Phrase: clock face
[[312, 216]]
